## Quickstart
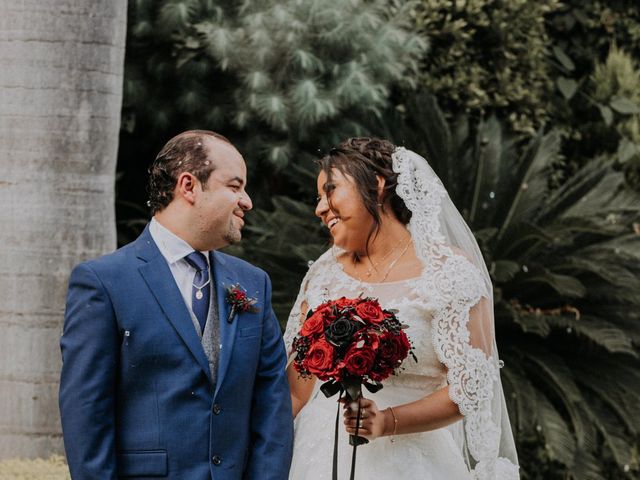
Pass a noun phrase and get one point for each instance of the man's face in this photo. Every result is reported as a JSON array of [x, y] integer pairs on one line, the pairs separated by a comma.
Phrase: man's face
[[221, 204]]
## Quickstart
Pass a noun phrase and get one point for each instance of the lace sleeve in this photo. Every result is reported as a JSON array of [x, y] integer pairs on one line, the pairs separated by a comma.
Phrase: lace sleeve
[[457, 281], [463, 336]]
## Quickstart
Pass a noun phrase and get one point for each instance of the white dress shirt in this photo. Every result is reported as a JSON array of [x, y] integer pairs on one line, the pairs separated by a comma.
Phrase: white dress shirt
[[174, 249]]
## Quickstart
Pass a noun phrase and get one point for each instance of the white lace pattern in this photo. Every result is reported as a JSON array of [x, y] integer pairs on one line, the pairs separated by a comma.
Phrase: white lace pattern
[[450, 316]]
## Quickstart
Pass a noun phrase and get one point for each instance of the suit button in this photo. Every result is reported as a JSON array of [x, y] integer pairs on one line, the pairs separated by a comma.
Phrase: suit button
[[216, 460], [216, 409]]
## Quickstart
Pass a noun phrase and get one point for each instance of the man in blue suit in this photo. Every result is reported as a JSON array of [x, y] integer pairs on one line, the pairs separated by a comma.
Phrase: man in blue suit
[[164, 374]]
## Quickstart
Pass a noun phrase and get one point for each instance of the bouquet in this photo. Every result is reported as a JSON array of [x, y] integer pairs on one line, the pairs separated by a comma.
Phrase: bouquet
[[348, 343]]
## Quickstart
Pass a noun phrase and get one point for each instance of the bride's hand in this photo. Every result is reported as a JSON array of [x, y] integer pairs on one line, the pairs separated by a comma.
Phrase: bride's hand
[[373, 422]]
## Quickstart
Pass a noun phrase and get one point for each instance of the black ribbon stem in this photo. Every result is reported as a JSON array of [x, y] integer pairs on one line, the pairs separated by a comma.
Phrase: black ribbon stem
[[334, 475]]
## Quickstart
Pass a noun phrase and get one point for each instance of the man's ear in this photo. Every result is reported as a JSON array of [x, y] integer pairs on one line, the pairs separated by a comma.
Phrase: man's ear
[[186, 186]]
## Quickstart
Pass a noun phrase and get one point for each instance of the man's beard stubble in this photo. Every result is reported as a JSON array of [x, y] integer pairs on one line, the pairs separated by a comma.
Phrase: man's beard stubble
[[233, 235]]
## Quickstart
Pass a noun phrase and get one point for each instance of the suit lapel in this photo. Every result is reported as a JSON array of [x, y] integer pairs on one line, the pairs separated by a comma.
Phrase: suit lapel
[[158, 276], [223, 277]]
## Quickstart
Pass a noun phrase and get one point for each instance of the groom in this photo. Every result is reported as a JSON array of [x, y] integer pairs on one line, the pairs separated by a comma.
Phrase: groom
[[164, 375]]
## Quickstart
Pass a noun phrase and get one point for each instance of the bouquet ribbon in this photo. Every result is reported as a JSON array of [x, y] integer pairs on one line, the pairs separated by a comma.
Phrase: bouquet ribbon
[[352, 390]]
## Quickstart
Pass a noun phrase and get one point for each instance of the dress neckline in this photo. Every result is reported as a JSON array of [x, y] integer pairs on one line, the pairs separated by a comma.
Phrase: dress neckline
[[340, 268]]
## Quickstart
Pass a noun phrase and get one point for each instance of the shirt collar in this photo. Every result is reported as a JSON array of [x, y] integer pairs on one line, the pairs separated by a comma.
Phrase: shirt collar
[[172, 247]]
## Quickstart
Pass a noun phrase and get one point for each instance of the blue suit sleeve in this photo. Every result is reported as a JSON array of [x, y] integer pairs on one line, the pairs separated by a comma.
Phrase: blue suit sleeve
[[90, 345], [272, 418]]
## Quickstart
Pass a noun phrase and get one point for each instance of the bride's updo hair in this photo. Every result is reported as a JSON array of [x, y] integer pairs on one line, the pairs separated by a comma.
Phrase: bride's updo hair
[[363, 159]]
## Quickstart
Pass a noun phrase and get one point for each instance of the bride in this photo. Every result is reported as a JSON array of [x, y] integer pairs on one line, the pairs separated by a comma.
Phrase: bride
[[398, 237]]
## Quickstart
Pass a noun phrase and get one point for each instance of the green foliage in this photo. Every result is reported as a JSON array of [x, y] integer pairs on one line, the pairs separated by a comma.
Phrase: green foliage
[[597, 40], [585, 30], [616, 89], [279, 79], [531, 63], [565, 262], [269, 72], [488, 56]]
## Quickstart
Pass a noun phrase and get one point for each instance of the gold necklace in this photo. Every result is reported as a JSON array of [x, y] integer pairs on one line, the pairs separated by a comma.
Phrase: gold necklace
[[374, 266], [391, 265]]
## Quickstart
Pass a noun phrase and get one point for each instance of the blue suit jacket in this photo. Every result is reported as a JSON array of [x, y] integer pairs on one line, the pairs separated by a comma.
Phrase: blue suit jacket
[[136, 397]]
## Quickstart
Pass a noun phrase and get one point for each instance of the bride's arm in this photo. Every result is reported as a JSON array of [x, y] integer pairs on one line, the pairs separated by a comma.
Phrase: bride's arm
[[429, 413], [301, 388], [434, 411]]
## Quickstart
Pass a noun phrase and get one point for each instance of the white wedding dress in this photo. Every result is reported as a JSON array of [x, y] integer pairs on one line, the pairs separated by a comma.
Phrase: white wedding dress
[[449, 311], [430, 455]]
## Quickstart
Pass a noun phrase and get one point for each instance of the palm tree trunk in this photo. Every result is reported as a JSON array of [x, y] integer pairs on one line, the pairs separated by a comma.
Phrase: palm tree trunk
[[61, 70]]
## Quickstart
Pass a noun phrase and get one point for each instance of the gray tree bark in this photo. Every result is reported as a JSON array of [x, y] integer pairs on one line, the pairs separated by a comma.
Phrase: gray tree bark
[[61, 73]]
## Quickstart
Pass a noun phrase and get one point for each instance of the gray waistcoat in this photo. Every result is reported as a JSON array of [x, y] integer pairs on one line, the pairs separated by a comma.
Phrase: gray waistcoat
[[210, 338]]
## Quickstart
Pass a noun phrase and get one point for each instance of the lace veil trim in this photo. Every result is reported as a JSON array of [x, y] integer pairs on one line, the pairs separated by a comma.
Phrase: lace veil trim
[[456, 285]]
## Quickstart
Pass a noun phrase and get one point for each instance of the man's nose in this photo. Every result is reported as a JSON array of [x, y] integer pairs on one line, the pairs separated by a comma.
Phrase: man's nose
[[245, 201]]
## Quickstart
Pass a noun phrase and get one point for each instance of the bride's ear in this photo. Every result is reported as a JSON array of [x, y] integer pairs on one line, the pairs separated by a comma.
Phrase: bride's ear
[[381, 184]]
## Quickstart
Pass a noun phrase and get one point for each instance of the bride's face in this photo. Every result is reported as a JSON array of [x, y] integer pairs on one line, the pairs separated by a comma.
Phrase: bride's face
[[345, 215]]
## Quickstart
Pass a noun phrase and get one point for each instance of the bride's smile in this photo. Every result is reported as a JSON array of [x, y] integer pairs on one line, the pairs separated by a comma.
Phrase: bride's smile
[[341, 209]]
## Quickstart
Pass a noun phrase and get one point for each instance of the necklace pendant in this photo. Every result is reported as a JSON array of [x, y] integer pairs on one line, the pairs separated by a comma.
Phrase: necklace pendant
[[199, 294]]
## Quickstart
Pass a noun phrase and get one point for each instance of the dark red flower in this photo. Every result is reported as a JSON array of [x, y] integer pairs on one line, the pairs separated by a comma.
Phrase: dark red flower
[[370, 311], [319, 359], [358, 361], [343, 302], [240, 301], [394, 347], [313, 325], [350, 338]]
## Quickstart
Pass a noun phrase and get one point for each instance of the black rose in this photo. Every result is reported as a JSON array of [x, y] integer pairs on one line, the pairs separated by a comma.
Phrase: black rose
[[340, 331]]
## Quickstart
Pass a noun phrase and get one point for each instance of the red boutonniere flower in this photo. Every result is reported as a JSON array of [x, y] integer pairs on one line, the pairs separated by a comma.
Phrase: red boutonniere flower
[[240, 302]]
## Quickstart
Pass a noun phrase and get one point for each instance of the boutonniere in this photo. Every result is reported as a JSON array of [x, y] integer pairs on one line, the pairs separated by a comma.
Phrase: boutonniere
[[240, 302]]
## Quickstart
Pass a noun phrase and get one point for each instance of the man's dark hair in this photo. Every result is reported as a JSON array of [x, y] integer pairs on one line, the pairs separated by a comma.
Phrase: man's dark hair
[[186, 152]]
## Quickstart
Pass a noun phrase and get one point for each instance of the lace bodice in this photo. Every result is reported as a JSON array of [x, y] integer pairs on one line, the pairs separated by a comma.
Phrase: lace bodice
[[431, 306], [327, 280]]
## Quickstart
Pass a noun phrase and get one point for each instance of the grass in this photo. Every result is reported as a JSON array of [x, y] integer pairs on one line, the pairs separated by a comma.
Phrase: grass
[[55, 468]]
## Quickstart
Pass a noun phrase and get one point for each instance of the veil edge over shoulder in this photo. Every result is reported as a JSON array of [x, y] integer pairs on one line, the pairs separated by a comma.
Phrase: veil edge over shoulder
[[457, 280]]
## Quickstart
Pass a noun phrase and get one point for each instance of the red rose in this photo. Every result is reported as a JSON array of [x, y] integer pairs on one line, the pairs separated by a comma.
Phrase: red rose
[[394, 347], [313, 325], [335, 373], [322, 307], [358, 361], [319, 359], [370, 311], [343, 302], [380, 372], [326, 310]]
